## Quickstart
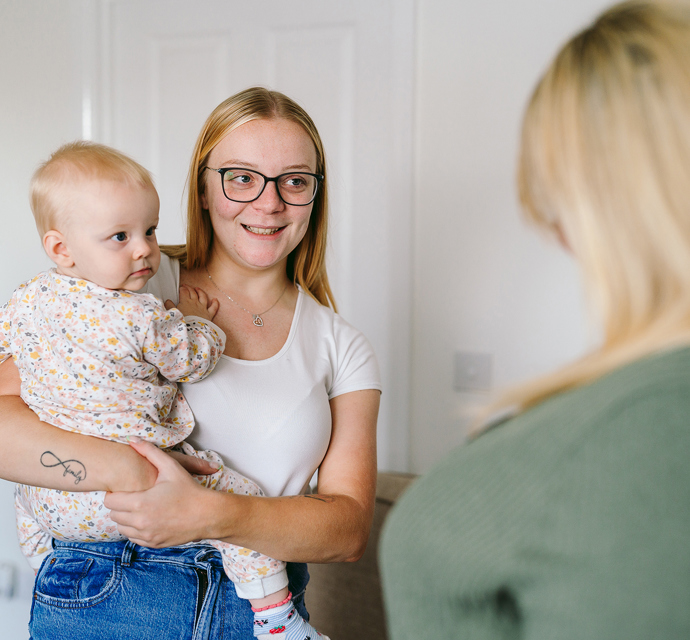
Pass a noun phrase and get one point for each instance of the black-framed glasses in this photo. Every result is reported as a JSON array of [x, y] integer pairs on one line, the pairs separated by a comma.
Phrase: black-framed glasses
[[296, 188]]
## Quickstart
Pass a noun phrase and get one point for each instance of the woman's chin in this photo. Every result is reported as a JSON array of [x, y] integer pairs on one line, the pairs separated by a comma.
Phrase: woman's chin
[[261, 260]]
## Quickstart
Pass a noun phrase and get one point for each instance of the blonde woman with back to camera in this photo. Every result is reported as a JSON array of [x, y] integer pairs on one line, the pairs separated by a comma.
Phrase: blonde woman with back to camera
[[570, 520], [296, 390]]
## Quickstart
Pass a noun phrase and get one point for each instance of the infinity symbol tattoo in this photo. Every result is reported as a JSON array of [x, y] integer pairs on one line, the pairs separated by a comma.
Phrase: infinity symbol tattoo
[[72, 467]]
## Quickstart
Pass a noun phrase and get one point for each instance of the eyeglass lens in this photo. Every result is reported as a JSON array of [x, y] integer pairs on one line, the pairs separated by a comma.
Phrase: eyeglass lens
[[243, 185]]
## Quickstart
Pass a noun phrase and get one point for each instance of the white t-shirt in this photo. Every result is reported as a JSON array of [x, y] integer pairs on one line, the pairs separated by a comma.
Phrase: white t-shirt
[[270, 419]]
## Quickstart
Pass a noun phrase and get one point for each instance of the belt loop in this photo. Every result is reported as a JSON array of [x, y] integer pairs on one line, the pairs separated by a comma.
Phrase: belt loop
[[128, 553]]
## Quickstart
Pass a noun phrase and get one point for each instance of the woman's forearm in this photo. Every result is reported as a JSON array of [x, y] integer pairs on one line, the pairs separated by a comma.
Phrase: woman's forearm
[[306, 528], [39, 454]]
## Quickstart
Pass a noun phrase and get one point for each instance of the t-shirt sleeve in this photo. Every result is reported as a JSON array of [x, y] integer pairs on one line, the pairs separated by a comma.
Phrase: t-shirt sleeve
[[184, 349], [356, 366]]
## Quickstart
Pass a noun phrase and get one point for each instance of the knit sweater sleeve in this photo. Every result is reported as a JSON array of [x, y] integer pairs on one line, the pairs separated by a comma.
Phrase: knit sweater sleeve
[[569, 522]]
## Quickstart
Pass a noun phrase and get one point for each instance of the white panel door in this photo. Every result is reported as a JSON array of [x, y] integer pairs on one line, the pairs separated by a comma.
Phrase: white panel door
[[160, 66]]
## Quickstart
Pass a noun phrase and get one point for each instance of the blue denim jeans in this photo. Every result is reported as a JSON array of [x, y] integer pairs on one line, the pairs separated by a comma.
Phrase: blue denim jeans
[[120, 591]]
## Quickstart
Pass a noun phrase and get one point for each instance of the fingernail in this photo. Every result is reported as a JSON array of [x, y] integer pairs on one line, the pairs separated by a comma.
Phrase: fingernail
[[133, 439]]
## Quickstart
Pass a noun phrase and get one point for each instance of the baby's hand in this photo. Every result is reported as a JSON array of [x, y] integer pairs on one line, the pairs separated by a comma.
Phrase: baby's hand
[[195, 302]]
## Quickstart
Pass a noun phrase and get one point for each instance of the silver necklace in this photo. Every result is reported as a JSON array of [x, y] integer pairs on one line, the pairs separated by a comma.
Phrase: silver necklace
[[256, 317]]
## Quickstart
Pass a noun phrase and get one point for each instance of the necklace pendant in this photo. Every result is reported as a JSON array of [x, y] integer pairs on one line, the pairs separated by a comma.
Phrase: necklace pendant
[[257, 320]]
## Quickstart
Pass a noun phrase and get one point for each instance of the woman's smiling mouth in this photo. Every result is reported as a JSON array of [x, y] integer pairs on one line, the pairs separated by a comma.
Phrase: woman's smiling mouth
[[261, 231]]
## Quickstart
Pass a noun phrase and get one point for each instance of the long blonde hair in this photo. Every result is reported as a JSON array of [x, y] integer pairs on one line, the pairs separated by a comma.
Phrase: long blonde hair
[[307, 263], [605, 160]]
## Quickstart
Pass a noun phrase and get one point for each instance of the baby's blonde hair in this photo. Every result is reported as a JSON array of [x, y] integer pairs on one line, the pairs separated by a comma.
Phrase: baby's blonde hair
[[57, 179], [605, 160]]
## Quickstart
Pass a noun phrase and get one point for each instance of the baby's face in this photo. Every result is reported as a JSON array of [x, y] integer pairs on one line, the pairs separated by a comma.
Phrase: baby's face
[[111, 234]]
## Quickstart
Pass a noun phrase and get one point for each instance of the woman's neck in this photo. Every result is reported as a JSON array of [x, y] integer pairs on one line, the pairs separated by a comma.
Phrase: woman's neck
[[243, 295], [239, 281]]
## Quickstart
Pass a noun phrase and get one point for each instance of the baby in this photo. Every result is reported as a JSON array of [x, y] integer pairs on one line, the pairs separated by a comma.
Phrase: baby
[[96, 358]]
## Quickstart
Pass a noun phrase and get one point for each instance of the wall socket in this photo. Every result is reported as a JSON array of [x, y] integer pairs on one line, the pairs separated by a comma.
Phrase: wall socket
[[472, 371]]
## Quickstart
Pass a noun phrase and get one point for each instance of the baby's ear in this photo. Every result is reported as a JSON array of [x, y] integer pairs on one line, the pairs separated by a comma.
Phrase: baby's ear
[[55, 246]]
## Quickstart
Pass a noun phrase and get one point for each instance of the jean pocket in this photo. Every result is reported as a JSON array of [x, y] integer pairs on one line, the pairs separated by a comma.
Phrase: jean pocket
[[73, 582]]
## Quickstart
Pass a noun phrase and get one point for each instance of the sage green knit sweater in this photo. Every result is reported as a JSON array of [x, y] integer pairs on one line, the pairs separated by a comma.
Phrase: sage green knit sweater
[[571, 521]]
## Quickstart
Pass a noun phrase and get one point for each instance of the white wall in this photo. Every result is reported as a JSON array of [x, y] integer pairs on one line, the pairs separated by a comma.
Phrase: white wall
[[483, 282], [39, 110]]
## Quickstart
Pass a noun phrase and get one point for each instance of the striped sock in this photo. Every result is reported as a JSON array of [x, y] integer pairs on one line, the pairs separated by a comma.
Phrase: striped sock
[[283, 623]]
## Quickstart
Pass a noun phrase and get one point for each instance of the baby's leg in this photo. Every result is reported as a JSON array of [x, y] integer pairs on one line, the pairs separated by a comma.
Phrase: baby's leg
[[225, 479], [45, 513], [255, 575]]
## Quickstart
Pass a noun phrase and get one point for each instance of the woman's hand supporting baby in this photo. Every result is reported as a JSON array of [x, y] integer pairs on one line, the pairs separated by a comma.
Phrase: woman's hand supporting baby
[[146, 518]]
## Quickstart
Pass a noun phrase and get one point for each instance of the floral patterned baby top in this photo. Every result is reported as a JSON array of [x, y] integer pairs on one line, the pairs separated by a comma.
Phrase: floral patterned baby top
[[103, 362]]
